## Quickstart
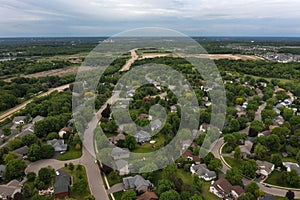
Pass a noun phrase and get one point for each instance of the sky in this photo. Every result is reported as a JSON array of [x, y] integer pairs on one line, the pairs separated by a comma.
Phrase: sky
[[61, 18]]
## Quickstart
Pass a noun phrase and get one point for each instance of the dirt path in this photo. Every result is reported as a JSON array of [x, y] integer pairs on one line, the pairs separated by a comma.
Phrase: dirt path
[[133, 58]]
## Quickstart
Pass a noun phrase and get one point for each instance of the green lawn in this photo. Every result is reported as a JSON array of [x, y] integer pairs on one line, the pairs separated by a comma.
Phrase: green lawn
[[275, 178], [226, 149], [71, 154], [187, 178], [269, 79], [233, 162], [289, 159], [76, 176], [146, 148]]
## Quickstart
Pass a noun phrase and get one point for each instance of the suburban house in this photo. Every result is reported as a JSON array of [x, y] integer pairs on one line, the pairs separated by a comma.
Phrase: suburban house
[[264, 133], [224, 190], [267, 197], [62, 185], [65, 130], [137, 183], [246, 148], [119, 153], [189, 155], [19, 120], [185, 144], [122, 167], [2, 170], [22, 152], [58, 145], [148, 196], [155, 125], [142, 136], [264, 168], [289, 166], [8, 191], [173, 109], [278, 121], [37, 118], [114, 140], [203, 173]]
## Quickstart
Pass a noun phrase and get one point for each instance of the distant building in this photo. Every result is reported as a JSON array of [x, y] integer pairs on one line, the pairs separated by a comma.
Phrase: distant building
[[65, 130], [37, 119], [22, 152], [122, 167], [246, 148], [155, 125]]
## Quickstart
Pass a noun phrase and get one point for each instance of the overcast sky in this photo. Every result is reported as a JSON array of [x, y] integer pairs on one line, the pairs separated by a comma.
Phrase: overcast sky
[[192, 17]]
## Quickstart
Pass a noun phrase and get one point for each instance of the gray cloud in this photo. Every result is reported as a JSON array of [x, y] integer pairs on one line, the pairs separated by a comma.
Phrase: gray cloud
[[112, 16]]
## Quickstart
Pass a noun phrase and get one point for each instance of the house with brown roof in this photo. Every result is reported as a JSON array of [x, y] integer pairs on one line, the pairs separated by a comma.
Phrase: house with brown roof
[[148, 196], [22, 152], [223, 189]]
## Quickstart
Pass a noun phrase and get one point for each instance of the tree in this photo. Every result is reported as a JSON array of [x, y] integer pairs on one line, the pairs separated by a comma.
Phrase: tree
[[46, 175], [34, 152], [196, 197], [164, 185], [130, 142], [170, 195], [234, 176], [281, 132], [71, 166], [46, 151], [14, 144], [26, 191], [255, 127], [253, 189], [234, 125], [287, 114], [276, 160], [292, 178], [215, 164], [80, 185], [52, 135], [249, 168], [14, 169], [290, 195], [261, 151], [129, 195], [208, 158], [170, 171], [247, 196], [30, 176], [10, 156], [29, 139], [237, 153]]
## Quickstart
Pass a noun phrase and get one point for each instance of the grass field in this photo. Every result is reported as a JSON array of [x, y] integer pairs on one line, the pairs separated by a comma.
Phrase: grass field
[[71, 154], [289, 159], [233, 162], [146, 148]]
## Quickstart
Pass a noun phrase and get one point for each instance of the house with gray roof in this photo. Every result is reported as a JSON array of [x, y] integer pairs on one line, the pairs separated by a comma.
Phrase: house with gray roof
[[137, 183], [19, 120], [122, 167], [21, 152], [203, 173], [62, 185], [37, 118], [246, 148], [119, 153], [290, 165], [142, 136], [265, 168], [155, 125], [58, 145]]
